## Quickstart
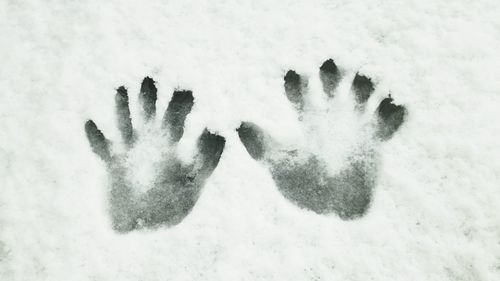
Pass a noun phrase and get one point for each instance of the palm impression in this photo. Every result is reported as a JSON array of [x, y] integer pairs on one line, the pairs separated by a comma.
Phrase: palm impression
[[333, 168], [166, 192]]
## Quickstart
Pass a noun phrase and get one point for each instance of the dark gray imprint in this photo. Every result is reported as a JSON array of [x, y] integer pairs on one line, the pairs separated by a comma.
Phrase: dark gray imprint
[[308, 183], [176, 188]]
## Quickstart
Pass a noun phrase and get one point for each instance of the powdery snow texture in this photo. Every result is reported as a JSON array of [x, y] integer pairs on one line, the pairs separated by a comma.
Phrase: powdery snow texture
[[434, 214]]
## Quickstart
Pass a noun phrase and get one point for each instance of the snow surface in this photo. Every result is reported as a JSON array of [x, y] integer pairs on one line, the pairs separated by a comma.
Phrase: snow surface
[[435, 214]]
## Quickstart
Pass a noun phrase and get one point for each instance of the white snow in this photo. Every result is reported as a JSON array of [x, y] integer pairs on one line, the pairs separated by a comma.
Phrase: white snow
[[435, 214]]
